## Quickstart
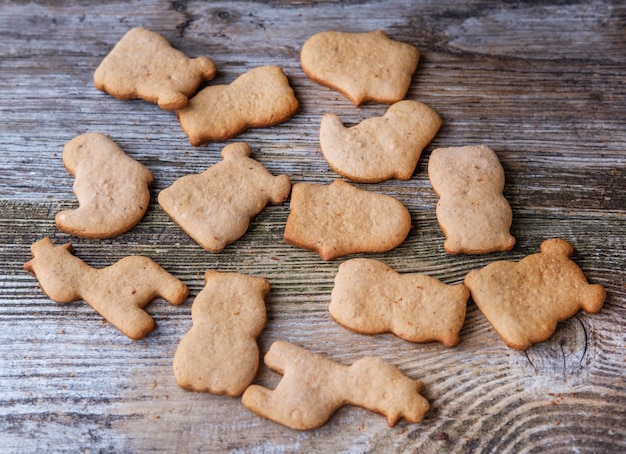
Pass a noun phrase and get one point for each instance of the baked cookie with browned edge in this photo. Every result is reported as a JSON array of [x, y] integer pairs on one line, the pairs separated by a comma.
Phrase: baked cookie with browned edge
[[219, 354], [111, 187], [379, 148], [144, 65], [525, 300], [363, 66], [314, 387], [339, 219], [371, 298], [472, 212]]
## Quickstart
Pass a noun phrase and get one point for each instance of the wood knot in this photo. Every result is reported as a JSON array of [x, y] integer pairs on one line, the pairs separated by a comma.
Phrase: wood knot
[[561, 357]]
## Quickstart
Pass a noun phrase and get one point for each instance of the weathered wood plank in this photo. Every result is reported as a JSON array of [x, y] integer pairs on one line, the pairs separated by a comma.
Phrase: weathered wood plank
[[542, 84]]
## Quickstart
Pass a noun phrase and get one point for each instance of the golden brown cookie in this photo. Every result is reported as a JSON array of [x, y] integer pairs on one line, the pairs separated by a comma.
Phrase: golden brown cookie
[[472, 212], [215, 207], [362, 66], [371, 298], [379, 148], [219, 354], [111, 188], [340, 219], [258, 98], [525, 300], [313, 388], [118, 292], [144, 65]]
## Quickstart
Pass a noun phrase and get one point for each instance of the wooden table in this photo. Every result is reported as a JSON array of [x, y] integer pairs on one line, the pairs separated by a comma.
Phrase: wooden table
[[542, 83]]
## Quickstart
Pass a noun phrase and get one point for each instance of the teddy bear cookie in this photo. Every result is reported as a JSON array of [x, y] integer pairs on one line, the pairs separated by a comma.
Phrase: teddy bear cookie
[[118, 292], [314, 387], [258, 98], [339, 219], [144, 65], [219, 354], [371, 298], [215, 207], [379, 148], [111, 188], [362, 66], [525, 300], [472, 212]]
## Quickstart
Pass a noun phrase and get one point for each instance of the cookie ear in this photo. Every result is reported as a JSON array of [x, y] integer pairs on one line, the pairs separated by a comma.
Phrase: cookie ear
[[557, 246], [238, 149]]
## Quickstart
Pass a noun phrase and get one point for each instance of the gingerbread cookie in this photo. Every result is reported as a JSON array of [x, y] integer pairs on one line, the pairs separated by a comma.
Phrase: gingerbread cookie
[[340, 219], [118, 292], [260, 97], [525, 300], [111, 188], [472, 212], [371, 298], [144, 65], [379, 148], [215, 207], [313, 388], [219, 354], [362, 66]]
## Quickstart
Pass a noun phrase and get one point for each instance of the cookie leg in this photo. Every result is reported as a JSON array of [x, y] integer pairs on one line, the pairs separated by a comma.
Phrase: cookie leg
[[134, 322], [171, 100], [172, 290]]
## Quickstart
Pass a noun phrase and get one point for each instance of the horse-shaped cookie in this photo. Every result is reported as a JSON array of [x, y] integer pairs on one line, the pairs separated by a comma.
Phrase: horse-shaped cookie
[[216, 206], [118, 292], [525, 300], [111, 188], [219, 354], [313, 388]]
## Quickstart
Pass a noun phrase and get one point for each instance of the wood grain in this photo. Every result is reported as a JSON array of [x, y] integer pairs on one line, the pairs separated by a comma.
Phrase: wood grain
[[542, 83]]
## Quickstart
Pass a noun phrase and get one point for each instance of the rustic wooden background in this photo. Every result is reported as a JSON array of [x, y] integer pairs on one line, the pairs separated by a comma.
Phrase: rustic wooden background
[[542, 83]]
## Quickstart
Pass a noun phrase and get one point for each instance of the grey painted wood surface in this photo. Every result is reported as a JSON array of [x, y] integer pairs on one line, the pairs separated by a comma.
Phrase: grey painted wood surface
[[542, 83]]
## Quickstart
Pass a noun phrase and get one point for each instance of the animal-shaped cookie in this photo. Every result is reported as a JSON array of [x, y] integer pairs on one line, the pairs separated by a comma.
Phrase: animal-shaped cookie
[[258, 98], [472, 212], [111, 188], [379, 148], [525, 300], [144, 65], [371, 298], [313, 388], [118, 292], [219, 354], [362, 66], [215, 207], [340, 219]]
